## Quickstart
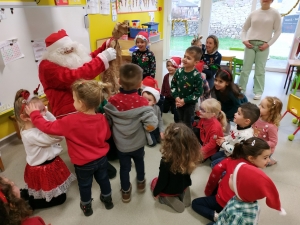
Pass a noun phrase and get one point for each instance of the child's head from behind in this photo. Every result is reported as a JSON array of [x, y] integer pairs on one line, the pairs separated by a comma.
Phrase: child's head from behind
[[270, 110], [151, 94], [247, 114], [255, 150], [181, 148], [88, 94], [212, 43], [13, 209], [142, 40], [191, 57], [173, 64], [131, 76], [251, 184], [212, 108], [197, 40]]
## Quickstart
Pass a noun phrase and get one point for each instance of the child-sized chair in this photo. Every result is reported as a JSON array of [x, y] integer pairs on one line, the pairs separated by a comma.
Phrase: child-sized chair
[[293, 107], [296, 82], [237, 63]]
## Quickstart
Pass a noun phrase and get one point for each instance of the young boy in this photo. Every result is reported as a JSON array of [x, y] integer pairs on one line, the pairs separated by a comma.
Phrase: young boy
[[247, 114], [143, 57], [152, 95], [243, 208], [187, 85], [130, 116]]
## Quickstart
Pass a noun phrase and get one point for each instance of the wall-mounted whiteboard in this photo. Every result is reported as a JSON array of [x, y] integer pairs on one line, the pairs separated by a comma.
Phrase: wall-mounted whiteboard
[[28, 24], [129, 6]]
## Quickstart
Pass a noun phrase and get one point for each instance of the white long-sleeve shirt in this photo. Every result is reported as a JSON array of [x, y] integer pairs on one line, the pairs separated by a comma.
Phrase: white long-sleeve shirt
[[261, 24], [39, 146]]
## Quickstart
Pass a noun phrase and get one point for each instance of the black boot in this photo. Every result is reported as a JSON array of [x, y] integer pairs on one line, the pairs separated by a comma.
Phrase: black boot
[[87, 209], [107, 201]]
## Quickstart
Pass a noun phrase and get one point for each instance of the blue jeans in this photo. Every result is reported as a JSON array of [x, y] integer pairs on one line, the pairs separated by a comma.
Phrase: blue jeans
[[85, 174], [185, 114], [206, 207], [125, 166], [155, 136], [217, 157]]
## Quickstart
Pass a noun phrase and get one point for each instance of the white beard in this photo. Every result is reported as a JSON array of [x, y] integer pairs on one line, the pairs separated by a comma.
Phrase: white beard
[[73, 60]]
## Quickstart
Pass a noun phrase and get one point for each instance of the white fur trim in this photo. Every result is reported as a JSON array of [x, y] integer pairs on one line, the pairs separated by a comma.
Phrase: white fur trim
[[282, 212], [59, 43], [141, 37], [173, 62], [234, 179], [104, 60]]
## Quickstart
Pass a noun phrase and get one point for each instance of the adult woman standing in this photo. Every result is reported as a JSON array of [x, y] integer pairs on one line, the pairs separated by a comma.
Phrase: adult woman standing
[[257, 35]]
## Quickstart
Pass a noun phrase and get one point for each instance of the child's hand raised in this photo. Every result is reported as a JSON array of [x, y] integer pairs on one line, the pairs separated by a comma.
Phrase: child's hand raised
[[220, 141], [30, 108]]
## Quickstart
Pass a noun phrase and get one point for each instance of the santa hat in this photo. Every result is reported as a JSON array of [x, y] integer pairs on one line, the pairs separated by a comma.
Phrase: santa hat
[[150, 82], [57, 40], [154, 92], [251, 184], [176, 61], [142, 35]]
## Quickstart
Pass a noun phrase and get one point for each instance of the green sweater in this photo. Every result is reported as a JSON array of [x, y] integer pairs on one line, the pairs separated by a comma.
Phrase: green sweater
[[188, 86]]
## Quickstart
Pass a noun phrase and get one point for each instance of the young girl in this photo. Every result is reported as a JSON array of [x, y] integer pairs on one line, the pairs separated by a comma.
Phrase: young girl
[[180, 154], [254, 151], [266, 127], [212, 123], [169, 103], [86, 133], [143, 57], [197, 42], [228, 93], [211, 57], [13, 209], [45, 186]]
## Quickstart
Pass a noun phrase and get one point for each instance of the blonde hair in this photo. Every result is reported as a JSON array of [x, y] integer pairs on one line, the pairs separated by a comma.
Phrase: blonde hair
[[196, 39], [20, 102], [181, 148], [90, 92], [274, 106], [214, 106]]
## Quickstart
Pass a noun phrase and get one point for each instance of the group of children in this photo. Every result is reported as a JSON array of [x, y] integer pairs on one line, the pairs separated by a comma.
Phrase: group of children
[[134, 119]]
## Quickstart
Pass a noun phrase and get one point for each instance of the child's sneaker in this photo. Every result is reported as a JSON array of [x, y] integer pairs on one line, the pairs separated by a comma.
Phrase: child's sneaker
[[87, 209], [126, 195], [272, 162], [107, 201], [141, 185]]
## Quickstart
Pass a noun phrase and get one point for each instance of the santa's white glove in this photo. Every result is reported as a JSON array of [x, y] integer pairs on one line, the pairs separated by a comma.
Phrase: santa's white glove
[[109, 54]]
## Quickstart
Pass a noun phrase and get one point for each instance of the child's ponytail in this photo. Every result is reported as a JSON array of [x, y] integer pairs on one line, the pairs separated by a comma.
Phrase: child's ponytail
[[238, 151], [222, 119]]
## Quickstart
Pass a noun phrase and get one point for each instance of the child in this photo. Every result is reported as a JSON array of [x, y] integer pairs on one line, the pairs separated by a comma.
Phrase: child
[[130, 116], [86, 140], [13, 209], [243, 208], [197, 42], [266, 127], [152, 95], [227, 92], [246, 115], [169, 104], [44, 187], [187, 85], [254, 151], [180, 155], [143, 57], [212, 123], [211, 57]]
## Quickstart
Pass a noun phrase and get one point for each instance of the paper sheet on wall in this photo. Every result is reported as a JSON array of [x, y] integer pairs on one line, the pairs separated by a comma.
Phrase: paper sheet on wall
[[93, 7], [105, 7], [39, 48], [114, 12], [10, 51]]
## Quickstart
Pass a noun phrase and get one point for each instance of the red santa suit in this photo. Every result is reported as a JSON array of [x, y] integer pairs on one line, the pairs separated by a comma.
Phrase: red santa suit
[[65, 62]]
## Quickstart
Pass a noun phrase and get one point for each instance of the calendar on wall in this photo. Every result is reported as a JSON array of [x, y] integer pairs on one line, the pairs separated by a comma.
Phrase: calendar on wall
[[10, 52]]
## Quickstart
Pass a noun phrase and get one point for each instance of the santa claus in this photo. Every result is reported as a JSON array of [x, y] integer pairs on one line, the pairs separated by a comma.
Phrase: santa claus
[[65, 62]]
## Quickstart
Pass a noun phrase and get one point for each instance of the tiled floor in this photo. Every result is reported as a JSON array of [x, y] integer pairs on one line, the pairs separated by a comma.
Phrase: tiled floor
[[144, 210]]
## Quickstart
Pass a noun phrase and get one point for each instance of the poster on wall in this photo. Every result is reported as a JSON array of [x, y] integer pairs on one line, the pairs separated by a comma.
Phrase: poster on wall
[[129, 6]]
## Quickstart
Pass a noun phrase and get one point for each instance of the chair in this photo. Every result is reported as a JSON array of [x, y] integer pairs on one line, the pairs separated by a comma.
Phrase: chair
[[296, 82], [292, 64], [293, 107], [237, 67]]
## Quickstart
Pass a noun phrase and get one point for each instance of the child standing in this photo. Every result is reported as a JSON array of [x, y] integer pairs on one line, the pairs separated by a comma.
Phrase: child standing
[[266, 127], [44, 186], [247, 114], [143, 57], [180, 155], [152, 95], [253, 151], [212, 123], [187, 85], [243, 208], [130, 116], [227, 92], [169, 103], [87, 150]]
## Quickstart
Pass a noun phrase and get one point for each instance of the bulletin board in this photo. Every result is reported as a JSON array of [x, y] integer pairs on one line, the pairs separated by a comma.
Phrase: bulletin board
[[129, 6]]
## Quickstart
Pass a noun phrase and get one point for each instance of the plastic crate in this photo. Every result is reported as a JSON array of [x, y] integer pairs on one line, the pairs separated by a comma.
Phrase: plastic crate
[[134, 31], [151, 25]]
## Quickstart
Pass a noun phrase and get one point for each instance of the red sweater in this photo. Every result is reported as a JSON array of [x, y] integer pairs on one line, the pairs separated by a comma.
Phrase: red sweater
[[85, 134], [33, 221], [57, 81], [165, 88], [209, 128], [224, 193]]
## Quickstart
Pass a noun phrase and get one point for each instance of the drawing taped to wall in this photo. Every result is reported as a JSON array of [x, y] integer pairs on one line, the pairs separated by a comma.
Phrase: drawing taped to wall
[[129, 6]]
